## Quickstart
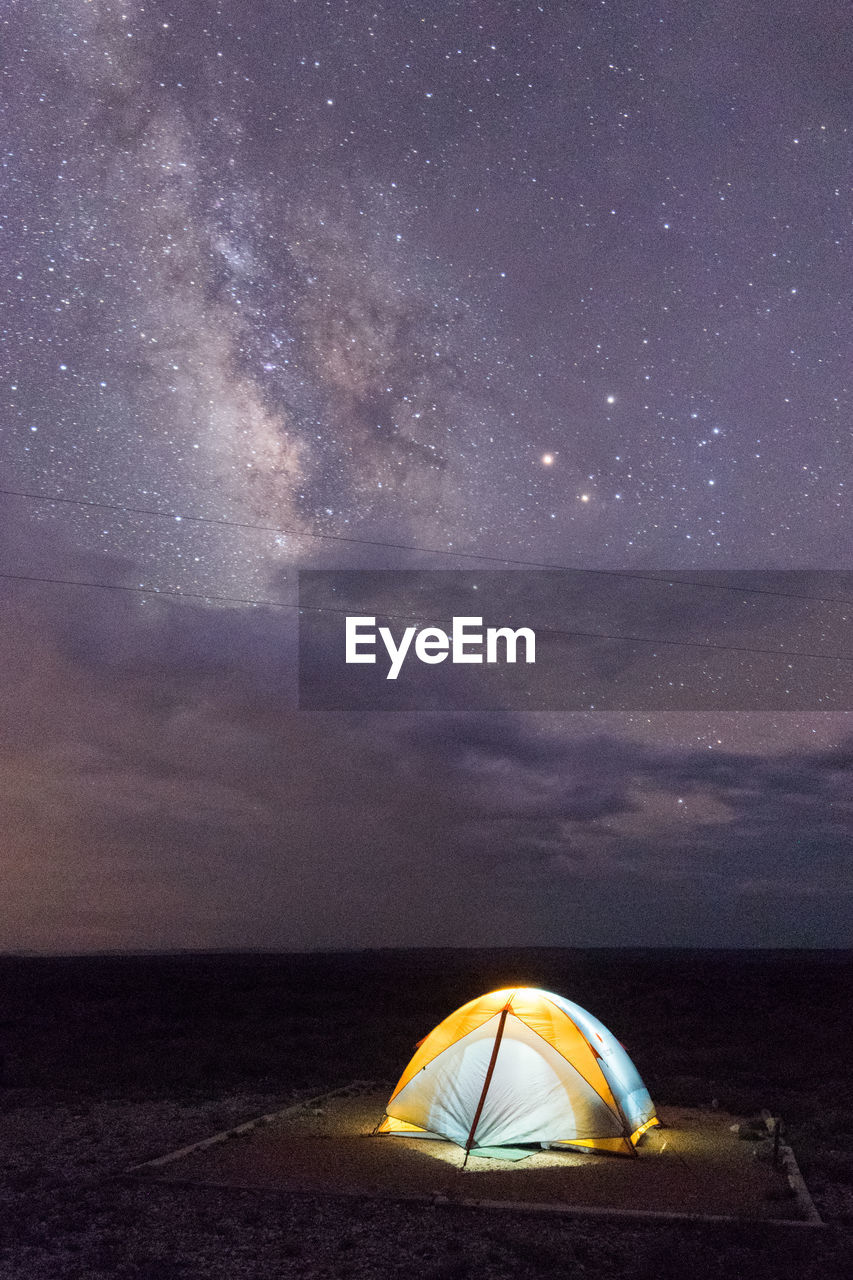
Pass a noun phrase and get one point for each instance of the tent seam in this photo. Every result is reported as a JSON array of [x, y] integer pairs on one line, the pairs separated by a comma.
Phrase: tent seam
[[614, 1110]]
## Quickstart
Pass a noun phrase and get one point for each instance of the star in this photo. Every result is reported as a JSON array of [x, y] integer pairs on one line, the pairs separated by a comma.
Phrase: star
[[339, 337]]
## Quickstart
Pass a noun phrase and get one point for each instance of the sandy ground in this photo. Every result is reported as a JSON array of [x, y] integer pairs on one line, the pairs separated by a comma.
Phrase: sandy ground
[[694, 1164]]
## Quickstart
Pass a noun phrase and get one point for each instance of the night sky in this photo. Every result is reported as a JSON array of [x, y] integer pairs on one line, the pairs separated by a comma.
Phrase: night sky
[[561, 282]]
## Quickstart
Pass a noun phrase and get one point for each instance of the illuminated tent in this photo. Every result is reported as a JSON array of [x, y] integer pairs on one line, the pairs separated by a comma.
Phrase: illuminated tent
[[521, 1066]]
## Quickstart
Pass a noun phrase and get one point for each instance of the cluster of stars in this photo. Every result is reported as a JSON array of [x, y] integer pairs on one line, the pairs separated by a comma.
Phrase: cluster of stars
[[300, 285], [394, 339]]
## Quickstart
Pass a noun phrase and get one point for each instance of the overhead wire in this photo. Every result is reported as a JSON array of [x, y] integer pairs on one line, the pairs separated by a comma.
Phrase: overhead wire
[[305, 608], [220, 521]]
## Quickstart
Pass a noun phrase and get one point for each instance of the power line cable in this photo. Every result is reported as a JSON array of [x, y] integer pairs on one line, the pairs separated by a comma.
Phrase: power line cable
[[146, 590], [410, 546], [303, 608]]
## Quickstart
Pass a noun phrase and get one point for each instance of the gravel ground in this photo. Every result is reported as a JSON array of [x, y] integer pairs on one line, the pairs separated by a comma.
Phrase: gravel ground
[[65, 1216]]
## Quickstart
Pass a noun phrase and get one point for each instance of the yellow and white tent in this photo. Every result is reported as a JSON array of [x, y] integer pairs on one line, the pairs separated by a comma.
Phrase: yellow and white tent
[[521, 1066]]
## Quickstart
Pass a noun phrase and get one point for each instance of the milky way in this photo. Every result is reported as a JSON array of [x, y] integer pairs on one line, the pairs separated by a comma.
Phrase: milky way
[[569, 285]]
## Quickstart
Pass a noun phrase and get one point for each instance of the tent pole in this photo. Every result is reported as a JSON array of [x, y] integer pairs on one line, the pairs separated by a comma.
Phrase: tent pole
[[488, 1080]]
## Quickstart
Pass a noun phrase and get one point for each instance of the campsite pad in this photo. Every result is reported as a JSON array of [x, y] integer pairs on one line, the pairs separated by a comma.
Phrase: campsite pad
[[695, 1165]]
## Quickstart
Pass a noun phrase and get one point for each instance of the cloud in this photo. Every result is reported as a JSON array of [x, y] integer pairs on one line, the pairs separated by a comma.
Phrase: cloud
[[161, 790]]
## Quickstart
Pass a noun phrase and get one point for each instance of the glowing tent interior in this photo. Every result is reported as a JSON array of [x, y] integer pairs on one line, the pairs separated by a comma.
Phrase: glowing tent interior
[[521, 1066]]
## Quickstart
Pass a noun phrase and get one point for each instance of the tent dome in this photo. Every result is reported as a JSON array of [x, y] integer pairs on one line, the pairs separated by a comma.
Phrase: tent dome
[[522, 1066]]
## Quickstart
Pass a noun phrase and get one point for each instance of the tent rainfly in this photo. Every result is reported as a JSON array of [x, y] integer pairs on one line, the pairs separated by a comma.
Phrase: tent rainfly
[[521, 1066]]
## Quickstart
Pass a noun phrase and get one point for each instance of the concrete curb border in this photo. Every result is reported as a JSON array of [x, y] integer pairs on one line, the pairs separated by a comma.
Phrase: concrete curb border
[[805, 1204], [241, 1129], [439, 1201], [793, 1176]]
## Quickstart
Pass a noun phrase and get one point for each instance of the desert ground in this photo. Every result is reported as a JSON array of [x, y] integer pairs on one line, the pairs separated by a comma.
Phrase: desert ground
[[106, 1062]]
